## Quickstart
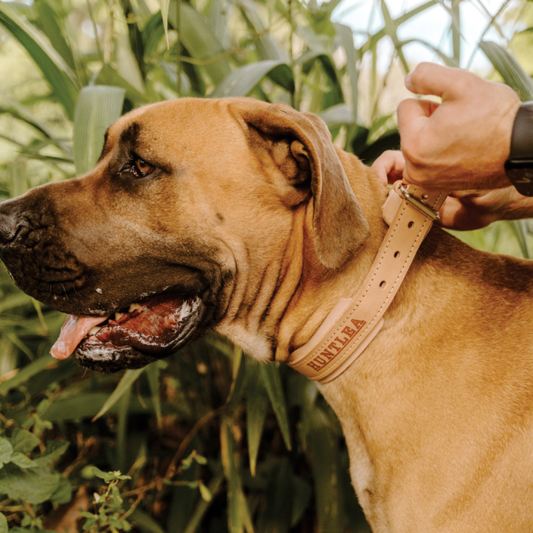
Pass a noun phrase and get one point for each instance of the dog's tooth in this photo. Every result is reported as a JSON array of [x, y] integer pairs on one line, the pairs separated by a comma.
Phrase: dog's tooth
[[118, 315], [133, 307], [95, 330]]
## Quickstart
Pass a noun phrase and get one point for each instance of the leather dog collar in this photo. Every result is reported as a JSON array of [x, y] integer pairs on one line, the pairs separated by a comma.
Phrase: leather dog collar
[[352, 324]]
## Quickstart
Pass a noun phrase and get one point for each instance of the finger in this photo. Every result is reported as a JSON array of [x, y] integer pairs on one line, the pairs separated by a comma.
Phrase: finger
[[389, 166], [446, 82], [412, 115], [456, 216]]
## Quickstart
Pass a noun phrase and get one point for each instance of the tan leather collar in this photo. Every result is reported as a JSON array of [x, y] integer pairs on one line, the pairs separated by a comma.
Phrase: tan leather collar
[[352, 324]]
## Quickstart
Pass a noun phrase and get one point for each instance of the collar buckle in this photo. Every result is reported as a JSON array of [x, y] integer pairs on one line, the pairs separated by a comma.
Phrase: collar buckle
[[418, 203]]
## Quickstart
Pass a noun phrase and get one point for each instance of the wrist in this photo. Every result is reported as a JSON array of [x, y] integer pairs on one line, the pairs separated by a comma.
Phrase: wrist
[[519, 165]]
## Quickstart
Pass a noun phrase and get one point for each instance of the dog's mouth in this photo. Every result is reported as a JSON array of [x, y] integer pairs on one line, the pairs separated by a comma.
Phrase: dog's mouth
[[146, 331]]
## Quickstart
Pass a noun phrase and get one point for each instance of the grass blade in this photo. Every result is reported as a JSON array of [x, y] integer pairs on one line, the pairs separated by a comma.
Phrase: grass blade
[[509, 69], [52, 65], [127, 380], [272, 382], [256, 410]]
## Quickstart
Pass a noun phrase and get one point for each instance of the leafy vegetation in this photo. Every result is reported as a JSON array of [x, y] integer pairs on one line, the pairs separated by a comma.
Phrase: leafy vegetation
[[207, 440]]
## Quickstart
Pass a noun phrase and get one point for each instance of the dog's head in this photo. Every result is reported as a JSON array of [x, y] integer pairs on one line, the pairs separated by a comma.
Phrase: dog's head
[[189, 201]]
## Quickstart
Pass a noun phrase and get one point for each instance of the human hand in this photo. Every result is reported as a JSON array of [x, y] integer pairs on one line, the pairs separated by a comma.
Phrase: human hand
[[463, 210], [463, 142]]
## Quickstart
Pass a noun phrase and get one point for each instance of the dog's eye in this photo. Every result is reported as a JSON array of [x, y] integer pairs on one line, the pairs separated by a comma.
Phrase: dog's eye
[[141, 168]]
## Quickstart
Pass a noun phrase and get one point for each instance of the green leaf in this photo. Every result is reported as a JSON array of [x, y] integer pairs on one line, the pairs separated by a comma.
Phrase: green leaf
[[227, 446], [97, 108], [337, 115], [3, 524], [54, 449], [6, 450], [509, 69], [108, 76], [203, 505], [205, 492], [272, 382], [346, 36], [256, 410], [52, 65], [152, 373], [201, 43], [164, 14], [127, 380], [21, 460], [276, 515], [23, 441], [145, 522], [35, 485], [49, 22], [63, 493]]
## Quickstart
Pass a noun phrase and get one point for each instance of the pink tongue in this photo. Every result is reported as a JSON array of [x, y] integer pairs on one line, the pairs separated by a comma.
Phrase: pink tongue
[[72, 332]]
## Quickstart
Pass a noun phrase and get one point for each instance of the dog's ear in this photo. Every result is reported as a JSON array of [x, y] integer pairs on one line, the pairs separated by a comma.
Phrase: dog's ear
[[339, 226]]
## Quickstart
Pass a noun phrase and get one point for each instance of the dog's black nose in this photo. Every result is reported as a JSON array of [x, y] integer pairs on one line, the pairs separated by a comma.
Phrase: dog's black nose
[[8, 224]]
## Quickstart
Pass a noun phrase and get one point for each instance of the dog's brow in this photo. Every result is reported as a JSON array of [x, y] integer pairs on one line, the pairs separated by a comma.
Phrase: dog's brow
[[105, 148], [129, 135]]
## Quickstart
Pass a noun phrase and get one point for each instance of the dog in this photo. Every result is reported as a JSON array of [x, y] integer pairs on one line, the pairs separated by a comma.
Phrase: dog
[[241, 216]]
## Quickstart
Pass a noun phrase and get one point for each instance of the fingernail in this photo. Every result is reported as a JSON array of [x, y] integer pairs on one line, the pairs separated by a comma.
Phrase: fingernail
[[408, 79]]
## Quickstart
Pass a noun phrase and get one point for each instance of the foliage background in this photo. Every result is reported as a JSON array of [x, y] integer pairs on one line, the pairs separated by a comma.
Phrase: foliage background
[[206, 440]]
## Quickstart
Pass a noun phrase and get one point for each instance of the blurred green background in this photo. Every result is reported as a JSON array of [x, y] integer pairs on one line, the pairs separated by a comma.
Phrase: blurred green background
[[207, 440]]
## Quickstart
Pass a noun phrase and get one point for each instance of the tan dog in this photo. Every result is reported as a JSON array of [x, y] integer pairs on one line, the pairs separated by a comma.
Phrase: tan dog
[[240, 215]]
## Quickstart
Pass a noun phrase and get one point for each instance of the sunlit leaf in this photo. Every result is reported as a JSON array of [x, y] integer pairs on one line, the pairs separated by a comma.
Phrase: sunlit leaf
[[509, 69], [97, 108], [242, 80], [52, 65]]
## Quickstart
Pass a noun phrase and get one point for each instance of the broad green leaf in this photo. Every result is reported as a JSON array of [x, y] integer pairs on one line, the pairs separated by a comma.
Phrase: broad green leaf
[[272, 382], [97, 108], [23, 441], [127, 380], [35, 485], [21, 460], [200, 41], [3, 524], [6, 450], [63, 492], [337, 115], [52, 65], [509, 69], [108, 76], [54, 449], [18, 171], [519, 229]]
